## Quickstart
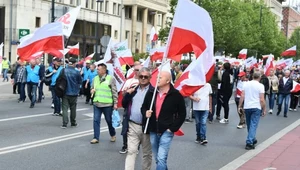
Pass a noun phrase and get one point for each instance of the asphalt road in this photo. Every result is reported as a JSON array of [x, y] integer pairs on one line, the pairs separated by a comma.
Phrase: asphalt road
[[32, 139]]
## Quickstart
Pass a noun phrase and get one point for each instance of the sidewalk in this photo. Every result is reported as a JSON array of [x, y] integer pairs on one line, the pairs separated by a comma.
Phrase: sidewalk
[[284, 154]]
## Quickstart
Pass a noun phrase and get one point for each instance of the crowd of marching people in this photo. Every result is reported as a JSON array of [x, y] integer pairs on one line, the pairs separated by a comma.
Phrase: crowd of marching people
[[151, 124]]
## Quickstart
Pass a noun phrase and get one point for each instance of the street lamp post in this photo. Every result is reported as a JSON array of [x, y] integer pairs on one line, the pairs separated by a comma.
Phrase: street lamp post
[[52, 11], [97, 29]]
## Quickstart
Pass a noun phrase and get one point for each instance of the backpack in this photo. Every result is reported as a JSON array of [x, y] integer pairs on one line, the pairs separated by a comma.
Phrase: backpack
[[61, 84], [47, 80]]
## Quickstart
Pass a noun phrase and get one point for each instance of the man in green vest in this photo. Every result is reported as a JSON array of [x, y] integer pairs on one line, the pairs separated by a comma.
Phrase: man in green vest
[[105, 94], [5, 67]]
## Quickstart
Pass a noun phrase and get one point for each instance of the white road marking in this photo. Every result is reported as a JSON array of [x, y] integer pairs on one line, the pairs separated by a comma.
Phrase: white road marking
[[35, 115], [235, 164], [48, 141]]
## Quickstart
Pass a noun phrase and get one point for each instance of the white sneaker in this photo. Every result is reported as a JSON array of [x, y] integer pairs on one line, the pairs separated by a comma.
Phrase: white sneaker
[[290, 109], [52, 105], [295, 110], [271, 111], [224, 121]]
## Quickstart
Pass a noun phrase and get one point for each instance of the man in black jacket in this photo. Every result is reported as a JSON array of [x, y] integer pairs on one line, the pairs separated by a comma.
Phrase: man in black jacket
[[135, 121], [165, 117], [284, 91]]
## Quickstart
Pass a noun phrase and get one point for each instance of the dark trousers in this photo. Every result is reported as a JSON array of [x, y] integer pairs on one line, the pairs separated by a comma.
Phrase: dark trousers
[[241, 113], [214, 103], [15, 88], [40, 91], [21, 90], [56, 101], [294, 101], [88, 93], [31, 91], [69, 102], [223, 100]]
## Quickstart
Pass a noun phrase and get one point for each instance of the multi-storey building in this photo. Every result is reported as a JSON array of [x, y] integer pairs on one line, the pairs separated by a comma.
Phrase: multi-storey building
[[291, 20], [118, 19]]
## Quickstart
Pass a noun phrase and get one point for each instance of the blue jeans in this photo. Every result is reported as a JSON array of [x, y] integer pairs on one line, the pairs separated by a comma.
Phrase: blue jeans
[[31, 91], [160, 148], [272, 100], [286, 98], [107, 111], [21, 90], [213, 107], [201, 117], [252, 120], [56, 100], [4, 71]]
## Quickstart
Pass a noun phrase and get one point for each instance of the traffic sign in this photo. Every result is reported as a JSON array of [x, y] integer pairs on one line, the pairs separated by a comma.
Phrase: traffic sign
[[23, 32]]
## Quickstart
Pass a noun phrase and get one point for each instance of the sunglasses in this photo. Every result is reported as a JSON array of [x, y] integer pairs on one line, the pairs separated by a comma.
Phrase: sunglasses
[[143, 77], [136, 70]]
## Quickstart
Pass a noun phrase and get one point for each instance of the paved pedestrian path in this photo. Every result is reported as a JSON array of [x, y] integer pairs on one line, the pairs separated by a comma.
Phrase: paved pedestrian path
[[284, 154]]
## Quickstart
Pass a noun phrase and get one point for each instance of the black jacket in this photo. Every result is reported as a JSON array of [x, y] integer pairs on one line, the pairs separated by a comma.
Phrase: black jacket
[[172, 113], [226, 87], [285, 88], [265, 81], [127, 103]]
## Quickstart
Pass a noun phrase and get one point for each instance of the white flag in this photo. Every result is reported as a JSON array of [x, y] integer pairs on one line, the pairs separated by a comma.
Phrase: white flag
[[69, 20]]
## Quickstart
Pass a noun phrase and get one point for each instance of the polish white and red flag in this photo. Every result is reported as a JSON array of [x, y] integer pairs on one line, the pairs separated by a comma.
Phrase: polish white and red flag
[[198, 37], [125, 57], [68, 20], [157, 53], [74, 49], [296, 63], [265, 56], [296, 87], [291, 52], [49, 38], [153, 35], [165, 66], [243, 54], [269, 65], [251, 62]]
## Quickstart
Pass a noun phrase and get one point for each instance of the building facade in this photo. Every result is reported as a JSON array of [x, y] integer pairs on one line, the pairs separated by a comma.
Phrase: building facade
[[291, 20], [118, 19], [276, 8]]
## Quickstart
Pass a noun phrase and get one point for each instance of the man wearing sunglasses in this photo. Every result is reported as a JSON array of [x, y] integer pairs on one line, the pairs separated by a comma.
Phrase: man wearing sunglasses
[[132, 103]]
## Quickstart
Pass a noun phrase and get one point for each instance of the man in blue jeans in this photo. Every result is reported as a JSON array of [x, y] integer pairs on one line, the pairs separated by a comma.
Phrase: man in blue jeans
[[284, 91], [254, 106], [165, 117], [105, 97], [33, 79], [54, 72]]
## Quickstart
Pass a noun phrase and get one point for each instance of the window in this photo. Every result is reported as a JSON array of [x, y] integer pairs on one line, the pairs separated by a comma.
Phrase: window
[[139, 15], [106, 6], [119, 9], [159, 20], [116, 34], [101, 6], [114, 8], [37, 22], [127, 35], [92, 4], [72, 2], [128, 12], [78, 2], [87, 3]]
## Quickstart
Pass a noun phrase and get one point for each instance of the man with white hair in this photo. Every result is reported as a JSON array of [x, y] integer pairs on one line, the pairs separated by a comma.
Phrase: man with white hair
[[254, 105], [284, 91]]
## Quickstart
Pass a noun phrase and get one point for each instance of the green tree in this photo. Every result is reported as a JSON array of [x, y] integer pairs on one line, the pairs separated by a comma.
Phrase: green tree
[[294, 40]]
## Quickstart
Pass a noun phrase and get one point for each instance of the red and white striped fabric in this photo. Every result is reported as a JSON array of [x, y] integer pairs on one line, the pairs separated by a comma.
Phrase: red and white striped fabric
[[74, 49], [251, 62], [153, 35], [243, 54], [125, 57], [291, 52], [157, 53], [269, 65], [296, 87], [90, 57], [49, 38], [198, 37], [239, 88], [166, 66]]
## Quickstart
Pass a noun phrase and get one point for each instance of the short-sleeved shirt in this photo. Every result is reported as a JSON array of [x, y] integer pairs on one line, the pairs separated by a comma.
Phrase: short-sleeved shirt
[[252, 91], [203, 94]]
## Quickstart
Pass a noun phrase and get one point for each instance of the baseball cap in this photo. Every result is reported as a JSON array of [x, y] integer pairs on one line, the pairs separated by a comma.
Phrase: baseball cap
[[72, 61], [56, 59], [241, 74], [88, 62]]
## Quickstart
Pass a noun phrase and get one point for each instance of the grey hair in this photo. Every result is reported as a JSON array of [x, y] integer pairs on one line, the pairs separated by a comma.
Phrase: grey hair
[[256, 75], [145, 69], [287, 71]]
